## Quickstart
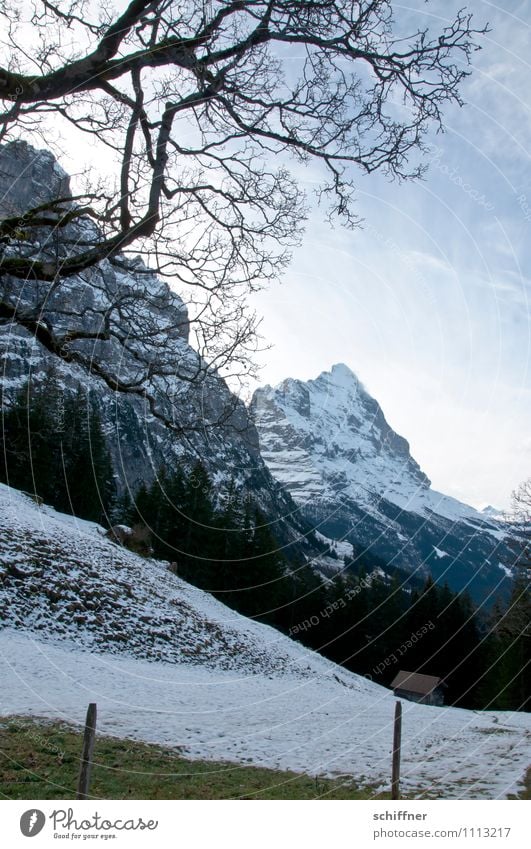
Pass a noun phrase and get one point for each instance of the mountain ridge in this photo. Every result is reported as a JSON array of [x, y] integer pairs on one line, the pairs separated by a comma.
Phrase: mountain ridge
[[328, 442], [320, 452]]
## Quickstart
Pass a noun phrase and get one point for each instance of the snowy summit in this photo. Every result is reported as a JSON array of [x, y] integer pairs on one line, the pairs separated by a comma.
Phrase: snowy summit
[[329, 443]]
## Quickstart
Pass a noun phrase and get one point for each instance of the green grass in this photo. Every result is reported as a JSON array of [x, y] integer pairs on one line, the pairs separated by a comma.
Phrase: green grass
[[40, 760]]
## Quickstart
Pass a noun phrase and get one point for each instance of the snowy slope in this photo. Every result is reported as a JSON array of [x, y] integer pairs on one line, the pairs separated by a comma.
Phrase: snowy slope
[[87, 621], [61, 577], [328, 442]]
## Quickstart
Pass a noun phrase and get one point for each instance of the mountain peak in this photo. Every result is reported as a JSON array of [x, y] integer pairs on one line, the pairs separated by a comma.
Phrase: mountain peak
[[341, 374], [341, 369], [492, 512], [329, 435], [328, 442]]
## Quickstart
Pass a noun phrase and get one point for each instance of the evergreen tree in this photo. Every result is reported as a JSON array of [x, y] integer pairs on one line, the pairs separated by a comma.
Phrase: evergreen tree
[[256, 575], [196, 543], [32, 429], [510, 677], [54, 447], [451, 648]]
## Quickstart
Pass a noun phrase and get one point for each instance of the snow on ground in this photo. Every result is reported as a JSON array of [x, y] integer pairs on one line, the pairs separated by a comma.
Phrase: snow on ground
[[60, 576], [342, 547], [166, 663], [314, 723]]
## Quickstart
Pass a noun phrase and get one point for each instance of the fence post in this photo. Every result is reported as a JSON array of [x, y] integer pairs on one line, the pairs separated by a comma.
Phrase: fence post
[[397, 739], [89, 738]]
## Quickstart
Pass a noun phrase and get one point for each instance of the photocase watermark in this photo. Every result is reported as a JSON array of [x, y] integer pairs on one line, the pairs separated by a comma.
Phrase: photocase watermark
[[238, 496], [524, 206], [64, 819], [395, 656], [36, 738], [32, 822], [66, 825], [403, 258], [454, 176], [332, 607]]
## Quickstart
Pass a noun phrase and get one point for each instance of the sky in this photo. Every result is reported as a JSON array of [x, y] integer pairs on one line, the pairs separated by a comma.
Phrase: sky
[[429, 303]]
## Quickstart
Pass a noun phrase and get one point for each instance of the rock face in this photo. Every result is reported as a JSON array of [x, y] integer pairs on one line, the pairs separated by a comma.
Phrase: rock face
[[29, 178], [328, 442], [143, 330]]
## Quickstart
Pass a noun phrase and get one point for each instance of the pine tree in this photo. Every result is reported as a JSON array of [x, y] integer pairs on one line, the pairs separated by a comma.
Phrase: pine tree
[[197, 545], [87, 464], [513, 632], [32, 428], [55, 448], [260, 572]]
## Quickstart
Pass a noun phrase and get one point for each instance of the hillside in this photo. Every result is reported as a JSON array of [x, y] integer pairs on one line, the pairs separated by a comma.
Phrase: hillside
[[85, 620], [328, 442]]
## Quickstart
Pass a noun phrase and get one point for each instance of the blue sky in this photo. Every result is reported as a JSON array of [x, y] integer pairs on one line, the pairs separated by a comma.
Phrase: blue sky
[[429, 303]]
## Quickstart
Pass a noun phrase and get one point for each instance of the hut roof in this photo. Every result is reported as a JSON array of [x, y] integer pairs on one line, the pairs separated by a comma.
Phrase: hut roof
[[415, 682]]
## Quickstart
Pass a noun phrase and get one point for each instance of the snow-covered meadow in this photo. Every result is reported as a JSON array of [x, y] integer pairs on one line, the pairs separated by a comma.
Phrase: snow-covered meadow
[[87, 621]]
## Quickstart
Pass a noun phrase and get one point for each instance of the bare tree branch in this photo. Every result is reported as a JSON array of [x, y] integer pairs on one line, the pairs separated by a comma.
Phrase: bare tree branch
[[205, 110]]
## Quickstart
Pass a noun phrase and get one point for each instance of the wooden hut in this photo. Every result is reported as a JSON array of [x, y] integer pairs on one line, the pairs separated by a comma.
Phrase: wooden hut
[[425, 689]]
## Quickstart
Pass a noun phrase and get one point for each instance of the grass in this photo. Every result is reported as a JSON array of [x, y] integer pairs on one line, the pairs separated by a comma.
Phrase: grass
[[40, 760]]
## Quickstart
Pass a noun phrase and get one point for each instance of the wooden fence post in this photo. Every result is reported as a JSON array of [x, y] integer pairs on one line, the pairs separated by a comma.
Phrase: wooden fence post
[[397, 739], [89, 738]]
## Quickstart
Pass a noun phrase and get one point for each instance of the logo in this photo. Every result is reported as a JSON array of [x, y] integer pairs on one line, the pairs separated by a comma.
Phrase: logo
[[32, 822]]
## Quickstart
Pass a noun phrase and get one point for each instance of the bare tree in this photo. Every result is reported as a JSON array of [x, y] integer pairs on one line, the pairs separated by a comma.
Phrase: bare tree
[[513, 624], [520, 519], [201, 104], [516, 621]]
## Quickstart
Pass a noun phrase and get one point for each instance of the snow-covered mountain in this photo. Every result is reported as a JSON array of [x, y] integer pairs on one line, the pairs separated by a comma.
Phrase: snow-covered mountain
[[120, 320], [328, 442], [491, 512], [83, 620], [142, 328]]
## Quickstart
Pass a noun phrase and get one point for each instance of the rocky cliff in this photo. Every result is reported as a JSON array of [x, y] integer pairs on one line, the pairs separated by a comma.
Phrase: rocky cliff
[[121, 326]]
